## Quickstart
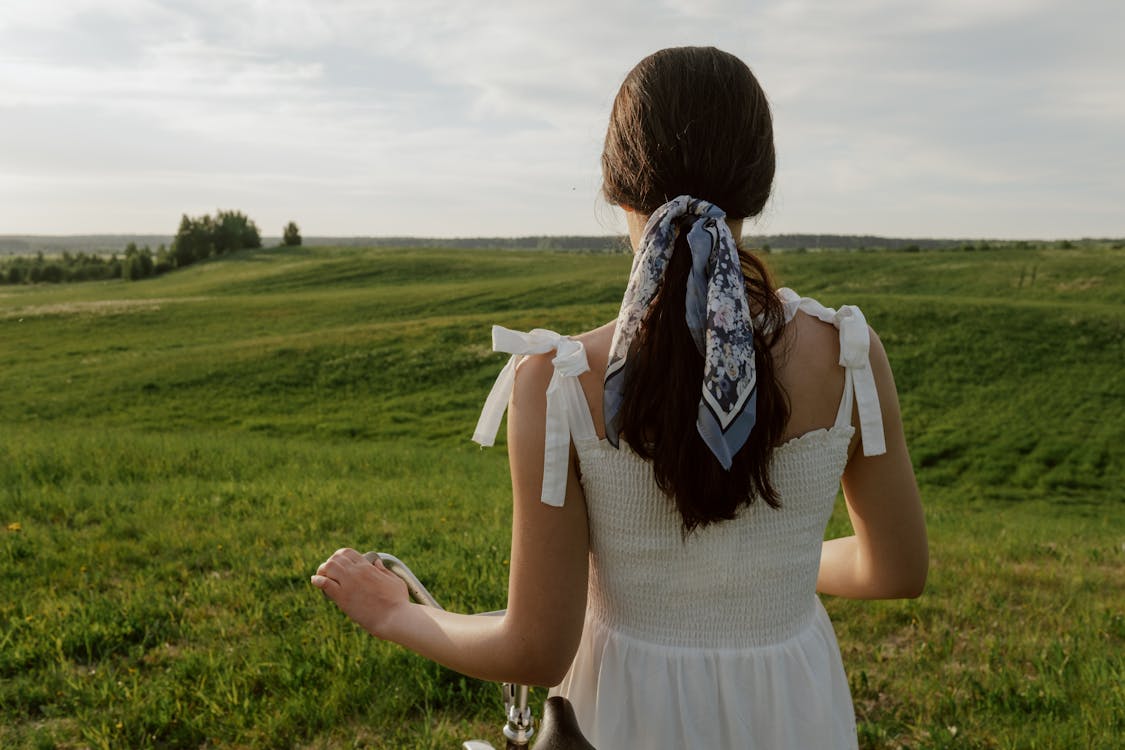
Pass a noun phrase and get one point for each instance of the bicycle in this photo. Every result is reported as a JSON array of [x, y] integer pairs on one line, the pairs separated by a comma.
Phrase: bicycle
[[558, 730]]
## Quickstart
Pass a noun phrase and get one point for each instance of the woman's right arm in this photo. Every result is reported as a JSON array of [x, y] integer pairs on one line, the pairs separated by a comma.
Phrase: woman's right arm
[[888, 556], [536, 639]]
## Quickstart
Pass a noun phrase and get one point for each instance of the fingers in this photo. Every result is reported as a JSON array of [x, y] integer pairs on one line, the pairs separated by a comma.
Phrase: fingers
[[331, 573], [349, 554], [364, 589], [341, 559], [325, 584], [346, 556]]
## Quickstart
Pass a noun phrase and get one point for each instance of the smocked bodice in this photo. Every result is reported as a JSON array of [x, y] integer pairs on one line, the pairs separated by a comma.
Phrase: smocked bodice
[[741, 583]]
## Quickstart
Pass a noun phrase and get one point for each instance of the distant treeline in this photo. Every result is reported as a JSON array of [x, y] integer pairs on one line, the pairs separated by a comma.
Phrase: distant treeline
[[106, 244], [197, 239], [54, 259], [135, 264], [766, 242], [100, 244], [833, 242], [67, 267]]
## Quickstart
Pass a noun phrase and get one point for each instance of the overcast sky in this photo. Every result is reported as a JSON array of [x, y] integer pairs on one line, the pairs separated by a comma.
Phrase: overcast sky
[[941, 118]]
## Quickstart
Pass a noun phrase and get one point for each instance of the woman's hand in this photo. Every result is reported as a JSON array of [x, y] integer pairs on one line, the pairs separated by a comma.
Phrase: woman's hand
[[366, 591]]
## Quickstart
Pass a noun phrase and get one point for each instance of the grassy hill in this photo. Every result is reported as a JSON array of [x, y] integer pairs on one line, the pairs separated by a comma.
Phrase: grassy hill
[[177, 455]]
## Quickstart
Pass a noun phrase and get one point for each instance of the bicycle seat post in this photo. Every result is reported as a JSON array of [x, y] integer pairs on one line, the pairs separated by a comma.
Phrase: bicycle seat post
[[519, 728]]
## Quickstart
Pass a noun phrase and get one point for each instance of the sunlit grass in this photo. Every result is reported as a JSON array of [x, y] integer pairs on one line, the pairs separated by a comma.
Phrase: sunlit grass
[[177, 455]]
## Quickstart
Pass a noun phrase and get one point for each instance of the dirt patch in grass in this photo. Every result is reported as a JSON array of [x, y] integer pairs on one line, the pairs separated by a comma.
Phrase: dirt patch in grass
[[96, 307]]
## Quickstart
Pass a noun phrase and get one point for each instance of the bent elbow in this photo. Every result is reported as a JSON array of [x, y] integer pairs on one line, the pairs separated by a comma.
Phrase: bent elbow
[[913, 583], [898, 588], [539, 662], [908, 579], [913, 589], [548, 678], [545, 674], [546, 668]]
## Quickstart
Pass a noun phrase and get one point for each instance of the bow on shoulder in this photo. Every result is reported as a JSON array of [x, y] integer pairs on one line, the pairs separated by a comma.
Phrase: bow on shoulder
[[562, 391]]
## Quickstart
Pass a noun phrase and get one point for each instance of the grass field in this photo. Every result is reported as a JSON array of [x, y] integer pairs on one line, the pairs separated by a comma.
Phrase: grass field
[[177, 456]]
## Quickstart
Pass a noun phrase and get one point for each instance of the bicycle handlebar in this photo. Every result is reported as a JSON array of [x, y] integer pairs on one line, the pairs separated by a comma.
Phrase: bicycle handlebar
[[420, 593], [518, 730]]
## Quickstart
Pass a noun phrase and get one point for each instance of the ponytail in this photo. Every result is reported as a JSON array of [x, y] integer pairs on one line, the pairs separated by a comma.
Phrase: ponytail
[[661, 400]]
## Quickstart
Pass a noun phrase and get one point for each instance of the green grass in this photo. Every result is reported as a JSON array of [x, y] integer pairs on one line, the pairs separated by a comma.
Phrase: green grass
[[177, 455]]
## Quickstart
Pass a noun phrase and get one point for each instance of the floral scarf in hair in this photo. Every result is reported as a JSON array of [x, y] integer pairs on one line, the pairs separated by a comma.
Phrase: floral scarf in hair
[[718, 316]]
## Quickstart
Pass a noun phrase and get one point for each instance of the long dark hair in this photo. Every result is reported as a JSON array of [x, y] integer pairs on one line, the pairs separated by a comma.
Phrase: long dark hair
[[694, 121]]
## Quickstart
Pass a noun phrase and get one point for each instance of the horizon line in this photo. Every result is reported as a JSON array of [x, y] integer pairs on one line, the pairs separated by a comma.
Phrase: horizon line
[[511, 237]]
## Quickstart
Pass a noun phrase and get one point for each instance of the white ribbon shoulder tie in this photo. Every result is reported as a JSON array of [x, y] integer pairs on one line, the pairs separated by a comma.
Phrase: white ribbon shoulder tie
[[855, 346], [855, 349], [563, 392]]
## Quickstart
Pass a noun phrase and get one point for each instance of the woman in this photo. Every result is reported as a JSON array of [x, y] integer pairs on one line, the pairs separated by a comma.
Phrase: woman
[[667, 542]]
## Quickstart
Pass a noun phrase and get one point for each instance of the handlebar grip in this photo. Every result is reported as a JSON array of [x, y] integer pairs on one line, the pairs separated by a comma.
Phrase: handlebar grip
[[413, 585]]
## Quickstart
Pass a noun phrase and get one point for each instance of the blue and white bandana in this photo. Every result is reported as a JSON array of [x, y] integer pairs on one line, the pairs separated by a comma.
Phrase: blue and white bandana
[[718, 316]]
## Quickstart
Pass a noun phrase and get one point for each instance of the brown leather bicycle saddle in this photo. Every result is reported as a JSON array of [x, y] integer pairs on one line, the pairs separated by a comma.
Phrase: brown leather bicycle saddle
[[559, 728]]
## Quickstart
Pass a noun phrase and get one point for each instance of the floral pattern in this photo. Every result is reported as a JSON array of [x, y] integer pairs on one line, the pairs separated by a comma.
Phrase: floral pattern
[[718, 316]]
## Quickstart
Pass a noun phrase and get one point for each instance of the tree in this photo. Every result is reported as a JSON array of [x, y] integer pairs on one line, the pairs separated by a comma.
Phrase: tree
[[291, 235], [233, 230], [200, 238], [52, 273], [138, 263], [194, 241], [131, 268], [144, 257]]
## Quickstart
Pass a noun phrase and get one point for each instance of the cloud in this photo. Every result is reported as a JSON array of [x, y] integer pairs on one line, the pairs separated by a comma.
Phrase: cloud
[[438, 117]]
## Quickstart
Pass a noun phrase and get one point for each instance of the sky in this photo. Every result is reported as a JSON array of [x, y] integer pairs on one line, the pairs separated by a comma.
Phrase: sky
[[446, 118]]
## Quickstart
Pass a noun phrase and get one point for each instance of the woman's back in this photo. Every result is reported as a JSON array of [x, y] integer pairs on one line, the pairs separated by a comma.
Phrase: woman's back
[[747, 582], [720, 627], [764, 552]]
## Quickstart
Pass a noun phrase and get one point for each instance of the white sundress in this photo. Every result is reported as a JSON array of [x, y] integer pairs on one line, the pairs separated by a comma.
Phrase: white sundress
[[719, 640]]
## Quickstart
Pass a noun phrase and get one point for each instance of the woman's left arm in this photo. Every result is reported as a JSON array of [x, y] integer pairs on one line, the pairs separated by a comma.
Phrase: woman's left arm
[[535, 641]]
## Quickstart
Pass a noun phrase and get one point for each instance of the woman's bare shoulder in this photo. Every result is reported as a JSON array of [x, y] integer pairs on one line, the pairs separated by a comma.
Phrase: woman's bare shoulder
[[808, 366], [596, 343], [813, 341]]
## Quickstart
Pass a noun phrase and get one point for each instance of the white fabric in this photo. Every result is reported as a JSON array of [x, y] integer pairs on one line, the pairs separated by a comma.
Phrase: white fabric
[[855, 347], [565, 400], [717, 640]]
